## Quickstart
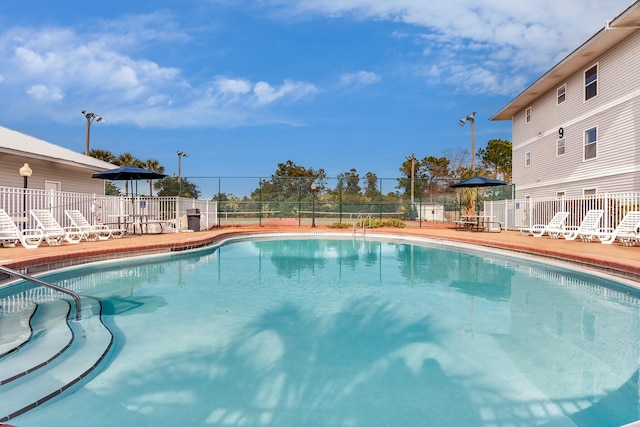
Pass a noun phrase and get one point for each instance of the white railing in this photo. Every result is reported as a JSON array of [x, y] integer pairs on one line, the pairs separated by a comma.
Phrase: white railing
[[515, 214], [104, 209]]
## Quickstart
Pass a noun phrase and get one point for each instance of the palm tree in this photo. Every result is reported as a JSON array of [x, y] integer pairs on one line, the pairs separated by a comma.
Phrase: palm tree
[[127, 159], [104, 155], [153, 165]]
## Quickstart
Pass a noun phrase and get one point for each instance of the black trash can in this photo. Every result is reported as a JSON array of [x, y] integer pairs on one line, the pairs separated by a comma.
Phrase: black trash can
[[193, 219]]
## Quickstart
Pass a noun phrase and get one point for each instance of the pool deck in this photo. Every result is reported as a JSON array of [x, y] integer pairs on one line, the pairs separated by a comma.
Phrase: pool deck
[[616, 259]]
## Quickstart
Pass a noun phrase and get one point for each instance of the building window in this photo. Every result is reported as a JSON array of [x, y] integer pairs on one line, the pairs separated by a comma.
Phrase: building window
[[589, 192], [591, 83], [527, 115], [562, 94], [560, 194], [560, 147], [590, 143], [527, 158]]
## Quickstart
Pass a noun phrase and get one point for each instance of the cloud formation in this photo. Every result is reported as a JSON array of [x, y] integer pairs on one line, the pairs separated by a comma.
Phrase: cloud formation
[[50, 64], [490, 48]]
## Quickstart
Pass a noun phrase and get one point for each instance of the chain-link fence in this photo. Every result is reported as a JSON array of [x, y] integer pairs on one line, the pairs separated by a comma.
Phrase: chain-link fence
[[322, 200]]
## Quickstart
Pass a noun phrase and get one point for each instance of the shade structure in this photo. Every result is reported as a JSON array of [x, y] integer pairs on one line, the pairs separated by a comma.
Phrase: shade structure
[[478, 181], [126, 173]]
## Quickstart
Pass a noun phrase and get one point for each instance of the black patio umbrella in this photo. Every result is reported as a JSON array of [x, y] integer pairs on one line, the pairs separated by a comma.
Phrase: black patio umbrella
[[126, 173], [476, 182]]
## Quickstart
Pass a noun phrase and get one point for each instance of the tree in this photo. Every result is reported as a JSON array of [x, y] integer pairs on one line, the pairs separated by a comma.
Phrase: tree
[[169, 186], [110, 189], [127, 159], [371, 191], [153, 165], [104, 155], [497, 158], [458, 161], [349, 183], [433, 169], [428, 170], [289, 180]]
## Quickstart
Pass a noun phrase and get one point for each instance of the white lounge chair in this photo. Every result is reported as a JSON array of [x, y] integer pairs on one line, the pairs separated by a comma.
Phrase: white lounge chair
[[30, 238], [587, 229], [54, 234], [554, 228], [626, 231], [91, 232]]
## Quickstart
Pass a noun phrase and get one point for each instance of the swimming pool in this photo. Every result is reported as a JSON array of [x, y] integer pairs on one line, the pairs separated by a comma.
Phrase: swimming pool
[[354, 332]]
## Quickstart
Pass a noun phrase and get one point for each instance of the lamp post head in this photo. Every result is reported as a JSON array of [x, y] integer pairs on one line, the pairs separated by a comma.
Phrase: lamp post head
[[182, 154], [25, 171], [91, 116], [313, 186]]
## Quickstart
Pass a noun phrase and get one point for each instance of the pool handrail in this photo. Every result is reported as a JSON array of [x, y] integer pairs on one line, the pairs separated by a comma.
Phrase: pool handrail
[[69, 292]]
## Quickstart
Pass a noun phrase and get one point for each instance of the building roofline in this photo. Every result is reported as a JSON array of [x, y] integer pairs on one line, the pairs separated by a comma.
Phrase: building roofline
[[614, 31], [20, 144]]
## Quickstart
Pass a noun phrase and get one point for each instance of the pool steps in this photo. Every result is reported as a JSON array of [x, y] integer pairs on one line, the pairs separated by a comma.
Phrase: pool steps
[[15, 329], [59, 352], [47, 327]]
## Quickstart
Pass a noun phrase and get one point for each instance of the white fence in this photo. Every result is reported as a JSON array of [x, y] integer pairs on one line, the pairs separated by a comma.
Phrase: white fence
[[106, 209], [515, 214]]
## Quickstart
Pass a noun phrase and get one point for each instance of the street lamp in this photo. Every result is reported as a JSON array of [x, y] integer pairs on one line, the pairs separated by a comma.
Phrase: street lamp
[[25, 172], [181, 154], [313, 201], [90, 118], [471, 118]]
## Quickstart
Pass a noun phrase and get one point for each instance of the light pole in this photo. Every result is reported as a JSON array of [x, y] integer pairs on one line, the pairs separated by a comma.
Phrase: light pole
[[471, 118], [413, 174], [90, 118], [25, 172], [313, 202], [181, 154]]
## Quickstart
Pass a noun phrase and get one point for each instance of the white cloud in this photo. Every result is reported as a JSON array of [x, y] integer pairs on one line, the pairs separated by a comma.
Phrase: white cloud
[[233, 86], [528, 37], [359, 78], [266, 94], [44, 93], [106, 69]]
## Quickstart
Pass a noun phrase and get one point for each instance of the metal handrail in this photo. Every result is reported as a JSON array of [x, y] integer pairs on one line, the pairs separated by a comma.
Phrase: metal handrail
[[364, 221], [74, 295]]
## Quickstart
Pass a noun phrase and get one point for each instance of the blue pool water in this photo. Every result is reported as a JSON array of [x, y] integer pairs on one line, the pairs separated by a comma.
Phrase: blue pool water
[[354, 333]]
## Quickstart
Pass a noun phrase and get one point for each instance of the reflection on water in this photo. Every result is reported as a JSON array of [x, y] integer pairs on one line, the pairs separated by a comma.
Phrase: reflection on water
[[358, 332]]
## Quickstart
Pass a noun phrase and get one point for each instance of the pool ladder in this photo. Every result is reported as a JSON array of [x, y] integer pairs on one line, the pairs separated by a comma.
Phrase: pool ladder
[[363, 224]]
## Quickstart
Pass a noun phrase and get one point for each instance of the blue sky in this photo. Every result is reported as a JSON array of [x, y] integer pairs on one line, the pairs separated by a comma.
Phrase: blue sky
[[241, 86]]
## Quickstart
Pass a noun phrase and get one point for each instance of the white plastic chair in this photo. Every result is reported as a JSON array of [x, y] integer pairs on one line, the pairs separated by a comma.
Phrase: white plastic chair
[[54, 234], [587, 229], [91, 232], [30, 238], [555, 228], [627, 231]]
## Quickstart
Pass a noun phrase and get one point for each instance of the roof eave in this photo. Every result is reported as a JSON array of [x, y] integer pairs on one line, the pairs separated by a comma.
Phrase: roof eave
[[625, 24]]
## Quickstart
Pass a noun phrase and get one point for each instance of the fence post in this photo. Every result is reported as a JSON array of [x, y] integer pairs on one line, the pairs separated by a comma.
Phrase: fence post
[[299, 203], [260, 203]]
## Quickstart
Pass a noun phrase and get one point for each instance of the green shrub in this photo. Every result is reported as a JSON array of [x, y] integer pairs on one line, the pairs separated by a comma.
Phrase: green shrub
[[339, 225], [378, 223]]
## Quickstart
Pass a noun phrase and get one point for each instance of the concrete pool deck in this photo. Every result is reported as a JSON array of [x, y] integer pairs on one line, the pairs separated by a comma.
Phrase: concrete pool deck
[[616, 259]]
